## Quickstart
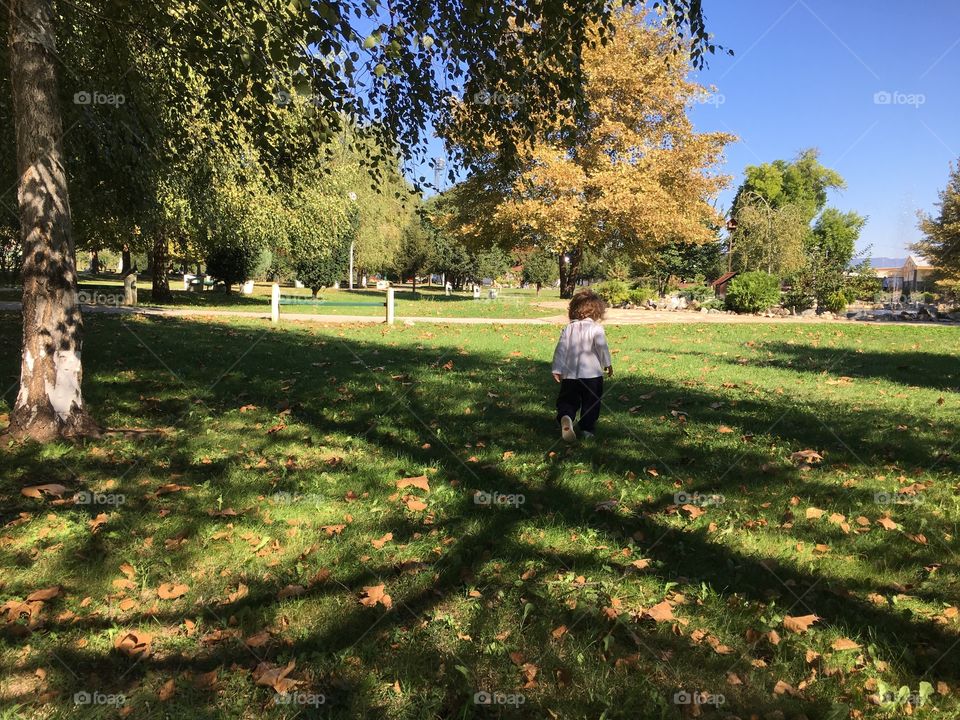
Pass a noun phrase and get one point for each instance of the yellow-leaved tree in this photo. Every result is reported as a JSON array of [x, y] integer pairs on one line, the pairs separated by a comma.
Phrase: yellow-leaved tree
[[631, 175]]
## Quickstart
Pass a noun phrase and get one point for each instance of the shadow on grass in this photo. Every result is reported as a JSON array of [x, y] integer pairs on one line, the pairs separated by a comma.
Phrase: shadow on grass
[[406, 400]]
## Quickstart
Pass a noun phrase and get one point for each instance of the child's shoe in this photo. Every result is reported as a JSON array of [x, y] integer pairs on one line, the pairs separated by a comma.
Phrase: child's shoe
[[566, 429]]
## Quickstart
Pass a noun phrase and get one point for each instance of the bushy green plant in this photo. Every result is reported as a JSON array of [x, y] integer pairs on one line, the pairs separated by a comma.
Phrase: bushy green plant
[[753, 292], [835, 302], [262, 265], [231, 263], [640, 295], [613, 292], [699, 293], [798, 298]]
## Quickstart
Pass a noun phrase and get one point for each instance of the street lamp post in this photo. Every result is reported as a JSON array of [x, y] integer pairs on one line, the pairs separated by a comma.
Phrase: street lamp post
[[353, 199]]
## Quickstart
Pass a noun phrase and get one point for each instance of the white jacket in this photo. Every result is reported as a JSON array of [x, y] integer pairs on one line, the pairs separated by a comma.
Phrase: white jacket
[[582, 351]]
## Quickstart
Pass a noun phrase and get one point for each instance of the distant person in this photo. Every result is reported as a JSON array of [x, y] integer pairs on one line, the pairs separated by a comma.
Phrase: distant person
[[579, 362], [363, 281], [476, 291], [448, 289]]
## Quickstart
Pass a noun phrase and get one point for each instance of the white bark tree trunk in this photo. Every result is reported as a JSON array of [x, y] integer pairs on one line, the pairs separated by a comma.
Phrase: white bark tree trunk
[[50, 403]]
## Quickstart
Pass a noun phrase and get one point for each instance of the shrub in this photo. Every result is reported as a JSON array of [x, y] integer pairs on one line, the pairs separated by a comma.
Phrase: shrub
[[640, 295], [753, 292], [835, 302], [230, 263], [699, 293], [613, 292], [798, 298]]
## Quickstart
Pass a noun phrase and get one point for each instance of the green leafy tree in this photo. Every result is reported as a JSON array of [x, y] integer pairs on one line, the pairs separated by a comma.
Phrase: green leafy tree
[[231, 263], [492, 263], [539, 269], [773, 209], [321, 228], [941, 235], [416, 250], [681, 261]]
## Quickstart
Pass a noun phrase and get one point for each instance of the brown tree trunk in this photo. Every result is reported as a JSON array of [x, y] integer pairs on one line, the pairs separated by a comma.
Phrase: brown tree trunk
[[161, 267], [126, 261], [569, 272], [95, 262], [50, 404]]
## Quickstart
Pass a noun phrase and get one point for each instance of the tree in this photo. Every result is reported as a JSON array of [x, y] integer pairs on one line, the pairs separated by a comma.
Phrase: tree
[[263, 51], [492, 263], [633, 174], [769, 238], [539, 268], [49, 404], [681, 260], [827, 276], [323, 223], [802, 182], [941, 234], [416, 250], [230, 263]]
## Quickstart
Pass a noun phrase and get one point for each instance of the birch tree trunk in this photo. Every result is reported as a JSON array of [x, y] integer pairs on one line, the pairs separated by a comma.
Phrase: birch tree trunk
[[161, 268], [50, 404]]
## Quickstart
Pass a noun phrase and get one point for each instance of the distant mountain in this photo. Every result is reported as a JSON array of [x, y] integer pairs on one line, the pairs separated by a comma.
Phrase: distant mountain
[[881, 262]]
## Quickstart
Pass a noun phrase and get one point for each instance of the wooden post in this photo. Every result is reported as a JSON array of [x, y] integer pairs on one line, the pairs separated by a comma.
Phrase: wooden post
[[390, 306], [130, 289], [275, 303]]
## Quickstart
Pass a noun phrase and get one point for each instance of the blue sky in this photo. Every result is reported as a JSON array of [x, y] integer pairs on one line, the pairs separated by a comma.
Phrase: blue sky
[[805, 74]]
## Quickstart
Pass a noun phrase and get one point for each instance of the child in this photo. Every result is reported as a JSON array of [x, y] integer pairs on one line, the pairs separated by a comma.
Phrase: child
[[579, 362]]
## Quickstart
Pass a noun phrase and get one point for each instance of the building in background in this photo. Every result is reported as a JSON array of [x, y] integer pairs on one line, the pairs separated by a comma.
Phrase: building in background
[[904, 275]]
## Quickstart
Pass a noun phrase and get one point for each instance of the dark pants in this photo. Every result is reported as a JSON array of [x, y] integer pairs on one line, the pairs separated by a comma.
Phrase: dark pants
[[583, 396]]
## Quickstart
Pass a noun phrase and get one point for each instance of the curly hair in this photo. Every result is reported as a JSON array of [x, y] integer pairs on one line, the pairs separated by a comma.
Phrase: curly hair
[[587, 304]]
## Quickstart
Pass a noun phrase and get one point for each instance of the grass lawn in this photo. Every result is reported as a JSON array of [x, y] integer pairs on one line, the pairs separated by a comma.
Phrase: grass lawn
[[266, 537]]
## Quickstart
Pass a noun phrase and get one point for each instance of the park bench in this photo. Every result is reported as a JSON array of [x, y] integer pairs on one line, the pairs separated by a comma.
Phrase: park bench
[[276, 300]]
